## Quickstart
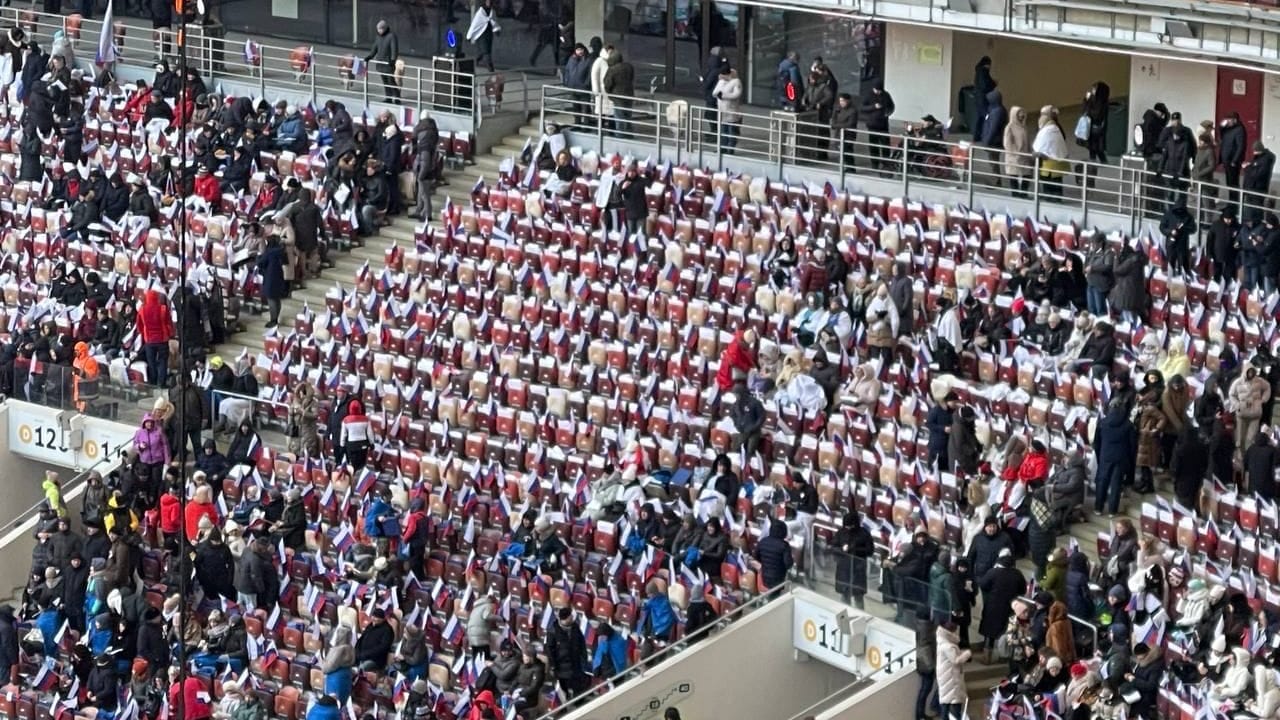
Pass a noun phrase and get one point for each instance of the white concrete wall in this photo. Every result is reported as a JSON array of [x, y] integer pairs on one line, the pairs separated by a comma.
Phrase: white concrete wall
[[1270, 111], [917, 71], [748, 670], [1186, 87], [887, 699]]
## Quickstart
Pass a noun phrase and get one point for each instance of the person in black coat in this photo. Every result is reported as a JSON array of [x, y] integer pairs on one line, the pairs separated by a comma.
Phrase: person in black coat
[[986, 547], [939, 421], [1115, 442], [1190, 463], [910, 575], [853, 545], [748, 418], [1260, 462], [215, 567], [375, 643], [774, 554], [8, 641], [1177, 147], [566, 651], [1178, 226], [876, 110], [1223, 244], [1000, 586], [153, 645], [634, 201], [1257, 181], [1232, 145], [1147, 678], [103, 686], [983, 85], [274, 287]]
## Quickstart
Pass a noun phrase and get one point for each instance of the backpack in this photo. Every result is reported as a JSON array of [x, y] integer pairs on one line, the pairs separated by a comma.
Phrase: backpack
[[787, 88]]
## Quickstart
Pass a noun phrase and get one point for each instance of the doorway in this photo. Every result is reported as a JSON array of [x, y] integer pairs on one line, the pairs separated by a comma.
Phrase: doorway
[[1241, 91]]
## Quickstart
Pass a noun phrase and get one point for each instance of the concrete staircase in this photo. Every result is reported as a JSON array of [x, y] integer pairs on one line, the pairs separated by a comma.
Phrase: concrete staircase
[[400, 231]]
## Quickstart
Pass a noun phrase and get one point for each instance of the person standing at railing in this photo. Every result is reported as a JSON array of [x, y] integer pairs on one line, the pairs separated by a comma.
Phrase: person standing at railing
[[1233, 141], [844, 129], [990, 134], [620, 81], [1256, 181], [789, 85], [385, 53], [577, 78], [728, 97], [1177, 147], [877, 108]]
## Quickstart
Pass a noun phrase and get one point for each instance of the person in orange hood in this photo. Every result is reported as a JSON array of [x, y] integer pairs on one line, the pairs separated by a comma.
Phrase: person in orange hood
[[87, 373]]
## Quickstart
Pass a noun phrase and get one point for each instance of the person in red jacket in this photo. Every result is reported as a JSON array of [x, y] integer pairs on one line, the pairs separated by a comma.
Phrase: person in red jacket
[[737, 361], [196, 702], [199, 506], [1034, 469], [136, 106], [155, 324], [171, 516], [208, 187]]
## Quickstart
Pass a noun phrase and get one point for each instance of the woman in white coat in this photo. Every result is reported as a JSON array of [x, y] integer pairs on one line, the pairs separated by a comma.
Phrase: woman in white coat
[[950, 672], [603, 105], [728, 95], [1050, 147]]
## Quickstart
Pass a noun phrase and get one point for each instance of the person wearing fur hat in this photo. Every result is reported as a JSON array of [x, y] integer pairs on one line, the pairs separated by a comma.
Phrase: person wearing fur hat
[[292, 526], [337, 664]]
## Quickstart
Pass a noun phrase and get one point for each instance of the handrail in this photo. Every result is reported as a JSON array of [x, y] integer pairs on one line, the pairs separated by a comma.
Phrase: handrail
[[1092, 627], [692, 134], [640, 669], [300, 69], [68, 487]]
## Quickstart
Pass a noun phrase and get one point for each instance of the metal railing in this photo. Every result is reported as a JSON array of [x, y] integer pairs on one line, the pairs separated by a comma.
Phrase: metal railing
[[299, 70], [784, 141], [255, 403], [63, 387], [641, 669]]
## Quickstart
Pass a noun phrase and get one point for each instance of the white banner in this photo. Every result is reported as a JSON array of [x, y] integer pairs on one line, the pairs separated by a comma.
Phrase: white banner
[[63, 437]]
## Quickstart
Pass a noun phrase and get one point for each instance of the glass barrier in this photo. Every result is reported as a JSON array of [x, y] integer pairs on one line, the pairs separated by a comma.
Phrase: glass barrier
[[1131, 187], [857, 685], [275, 69]]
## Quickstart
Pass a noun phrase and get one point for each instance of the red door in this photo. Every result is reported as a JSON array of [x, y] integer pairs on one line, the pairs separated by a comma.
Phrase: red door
[[1241, 91]]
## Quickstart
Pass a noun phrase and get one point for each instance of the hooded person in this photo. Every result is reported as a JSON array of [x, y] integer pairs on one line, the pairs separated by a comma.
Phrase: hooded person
[[354, 436], [774, 554], [949, 670], [738, 360]]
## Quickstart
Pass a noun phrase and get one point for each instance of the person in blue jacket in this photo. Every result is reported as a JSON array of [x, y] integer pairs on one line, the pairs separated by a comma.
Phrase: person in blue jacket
[[50, 621], [379, 514], [659, 617], [337, 665], [939, 422], [611, 652], [1114, 442], [326, 708]]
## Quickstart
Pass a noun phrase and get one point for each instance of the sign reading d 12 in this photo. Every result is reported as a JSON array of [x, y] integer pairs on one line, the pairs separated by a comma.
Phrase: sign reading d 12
[[36, 432]]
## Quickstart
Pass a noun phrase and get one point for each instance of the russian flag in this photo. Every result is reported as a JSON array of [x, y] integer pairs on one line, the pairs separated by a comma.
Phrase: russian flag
[[344, 540], [270, 655], [314, 599], [454, 631], [368, 478], [107, 52], [46, 677]]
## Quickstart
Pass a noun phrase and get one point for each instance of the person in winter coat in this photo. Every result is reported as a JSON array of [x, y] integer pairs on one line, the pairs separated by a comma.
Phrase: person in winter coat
[[215, 567], [774, 554], [882, 325], [325, 708], [199, 507], [737, 361], [1148, 457], [659, 618], [1223, 244], [926, 664], [952, 692], [291, 529], [1177, 147], [479, 623], [1190, 463], [354, 436], [338, 661], [853, 545], [1246, 398], [271, 264], [1050, 148], [987, 546], [941, 590], [939, 422], [1058, 634], [844, 129], [1147, 678], [1260, 462], [1114, 444], [602, 105], [254, 575], [991, 130], [1000, 586], [533, 674], [1054, 578], [374, 645], [1232, 145], [153, 449], [103, 686], [1034, 468], [910, 574], [877, 108], [1256, 181], [983, 86], [1064, 492], [304, 438], [727, 93], [566, 650], [1129, 295], [155, 324], [8, 641], [1079, 598]]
